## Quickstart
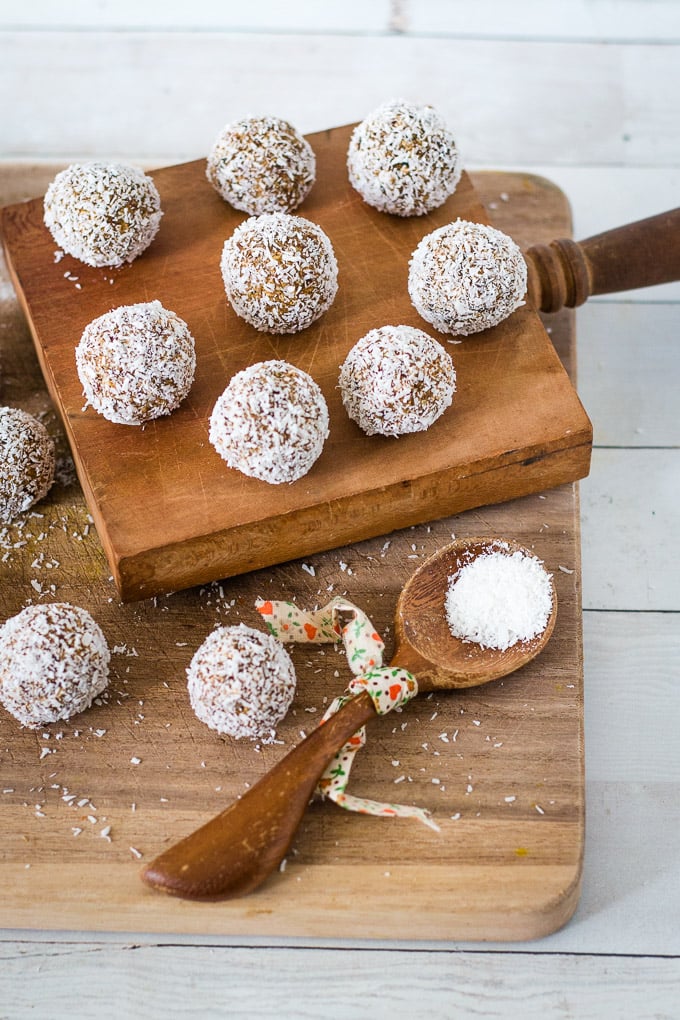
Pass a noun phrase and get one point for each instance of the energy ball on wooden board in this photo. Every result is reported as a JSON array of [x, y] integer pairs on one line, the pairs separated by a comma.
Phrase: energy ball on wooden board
[[54, 661], [280, 272], [261, 165], [104, 214], [396, 380], [241, 682], [136, 362], [402, 159], [270, 422], [26, 462], [466, 277]]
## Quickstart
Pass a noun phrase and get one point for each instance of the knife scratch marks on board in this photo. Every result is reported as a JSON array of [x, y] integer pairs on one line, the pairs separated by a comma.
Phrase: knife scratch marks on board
[[389, 241], [187, 722], [312, 358]]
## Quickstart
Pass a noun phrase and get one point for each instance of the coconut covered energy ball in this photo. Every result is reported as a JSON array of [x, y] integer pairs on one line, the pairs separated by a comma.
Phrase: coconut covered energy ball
[[402, 159], [136, 363], [26, 462], [241, 682], [466, 277], [54, 661], [280, 272], [261, 165], [270, 422], [104, 214], [396, 380]]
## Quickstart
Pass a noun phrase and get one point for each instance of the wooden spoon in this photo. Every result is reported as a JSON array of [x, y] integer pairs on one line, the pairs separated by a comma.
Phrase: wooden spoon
[[235, 852]]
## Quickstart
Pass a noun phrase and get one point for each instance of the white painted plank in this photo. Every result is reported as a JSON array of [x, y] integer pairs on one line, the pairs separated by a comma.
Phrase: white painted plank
[[630, 901], [629, 372], [367, 983], [167, 94], [201, 15], [632, 709], [604, 20], [631, 530]]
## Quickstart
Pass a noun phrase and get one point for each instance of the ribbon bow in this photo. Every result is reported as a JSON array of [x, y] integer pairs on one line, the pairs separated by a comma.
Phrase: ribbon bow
[[388, 686]]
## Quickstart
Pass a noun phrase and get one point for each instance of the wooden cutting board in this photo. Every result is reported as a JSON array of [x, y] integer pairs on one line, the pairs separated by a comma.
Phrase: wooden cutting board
[[501, 767], [169, 513]]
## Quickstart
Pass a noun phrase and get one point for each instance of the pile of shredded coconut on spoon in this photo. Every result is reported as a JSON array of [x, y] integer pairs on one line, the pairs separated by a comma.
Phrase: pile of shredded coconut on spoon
[[499, 598]]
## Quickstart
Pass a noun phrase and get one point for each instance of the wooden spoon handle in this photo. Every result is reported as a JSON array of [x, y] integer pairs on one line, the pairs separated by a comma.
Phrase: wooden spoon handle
[[234, 852], [641, 254]]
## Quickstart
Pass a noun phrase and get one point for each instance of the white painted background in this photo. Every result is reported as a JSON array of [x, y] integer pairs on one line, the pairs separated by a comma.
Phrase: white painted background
[[587, 93]]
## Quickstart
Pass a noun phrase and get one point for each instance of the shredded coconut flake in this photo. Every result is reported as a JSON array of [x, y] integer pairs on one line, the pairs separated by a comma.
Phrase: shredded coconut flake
[[499, 598]]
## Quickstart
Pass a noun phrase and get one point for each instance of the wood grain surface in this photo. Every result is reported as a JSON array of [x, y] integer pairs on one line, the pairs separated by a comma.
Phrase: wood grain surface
[[500, 767], [169, 513]]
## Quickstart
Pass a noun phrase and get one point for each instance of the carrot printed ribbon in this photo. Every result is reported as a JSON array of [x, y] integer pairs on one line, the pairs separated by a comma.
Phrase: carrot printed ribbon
[[388, 686]]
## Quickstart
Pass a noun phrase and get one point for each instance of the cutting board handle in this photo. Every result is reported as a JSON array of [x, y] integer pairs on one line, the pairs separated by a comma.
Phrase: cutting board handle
[[641, 254]]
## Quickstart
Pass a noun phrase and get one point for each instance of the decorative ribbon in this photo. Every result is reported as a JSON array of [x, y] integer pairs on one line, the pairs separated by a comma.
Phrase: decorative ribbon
[[388, 686]]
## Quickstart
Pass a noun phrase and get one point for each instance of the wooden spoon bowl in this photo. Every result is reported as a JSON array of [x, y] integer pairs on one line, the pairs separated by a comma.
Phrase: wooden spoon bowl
[[424, 643], [238, 849]]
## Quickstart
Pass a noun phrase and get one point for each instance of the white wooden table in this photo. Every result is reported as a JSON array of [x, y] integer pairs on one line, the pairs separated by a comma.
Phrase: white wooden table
[[585, 93]]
